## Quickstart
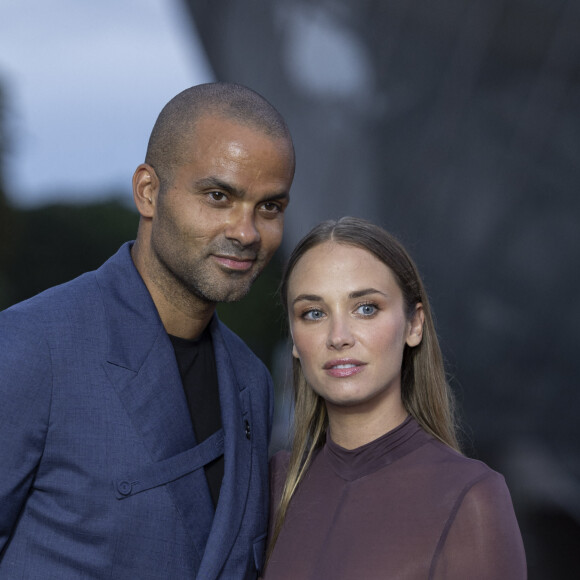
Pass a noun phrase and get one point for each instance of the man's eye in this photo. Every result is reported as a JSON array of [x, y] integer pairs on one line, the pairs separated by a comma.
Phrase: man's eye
[[271, 207], [217, 195]]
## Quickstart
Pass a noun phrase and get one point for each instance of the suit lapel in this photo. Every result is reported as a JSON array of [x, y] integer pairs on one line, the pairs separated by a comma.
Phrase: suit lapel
[[154, 399], [236, 411], [142, 367]]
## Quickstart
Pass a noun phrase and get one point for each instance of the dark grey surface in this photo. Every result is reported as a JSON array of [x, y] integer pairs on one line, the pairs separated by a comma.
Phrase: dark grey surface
[[456, 125]]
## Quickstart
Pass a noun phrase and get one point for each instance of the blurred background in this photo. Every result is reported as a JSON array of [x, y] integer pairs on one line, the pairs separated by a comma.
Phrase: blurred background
[[455, 125]]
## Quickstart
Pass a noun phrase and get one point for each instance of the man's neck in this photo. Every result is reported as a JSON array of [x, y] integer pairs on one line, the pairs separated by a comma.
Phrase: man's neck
[[182, 314], [186, 323]]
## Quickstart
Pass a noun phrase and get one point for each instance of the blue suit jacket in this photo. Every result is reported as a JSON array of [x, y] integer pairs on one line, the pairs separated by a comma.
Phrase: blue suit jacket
[[100, 473]]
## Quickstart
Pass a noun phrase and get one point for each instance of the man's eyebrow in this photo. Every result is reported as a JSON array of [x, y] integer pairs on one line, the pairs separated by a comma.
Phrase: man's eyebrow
[[216, 183], [277, 196]]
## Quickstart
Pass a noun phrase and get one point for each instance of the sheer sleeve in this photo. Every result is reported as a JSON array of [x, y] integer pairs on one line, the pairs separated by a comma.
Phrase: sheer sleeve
[[482, 540]]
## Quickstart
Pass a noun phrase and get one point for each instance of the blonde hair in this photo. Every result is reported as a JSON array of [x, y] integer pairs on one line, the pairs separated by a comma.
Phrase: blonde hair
[[424, 389]]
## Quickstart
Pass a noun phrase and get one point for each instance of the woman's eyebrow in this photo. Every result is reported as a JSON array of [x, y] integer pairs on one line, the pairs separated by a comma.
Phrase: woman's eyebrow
[[307, 298], [365, 292], [352, 295]]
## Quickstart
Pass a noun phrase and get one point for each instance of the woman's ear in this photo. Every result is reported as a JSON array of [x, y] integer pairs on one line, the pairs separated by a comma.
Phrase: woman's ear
[[295, 352], [145, 189], [415, 332]]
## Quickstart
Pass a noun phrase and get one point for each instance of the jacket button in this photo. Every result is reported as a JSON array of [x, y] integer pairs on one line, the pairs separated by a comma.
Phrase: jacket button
[[248, 430], [124, 488]]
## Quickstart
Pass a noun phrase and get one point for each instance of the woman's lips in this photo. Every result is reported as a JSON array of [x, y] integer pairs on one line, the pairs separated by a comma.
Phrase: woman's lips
[[343, 367]]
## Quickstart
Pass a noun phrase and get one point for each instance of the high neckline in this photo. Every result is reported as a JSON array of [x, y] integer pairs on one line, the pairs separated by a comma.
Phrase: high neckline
[[351, 464]]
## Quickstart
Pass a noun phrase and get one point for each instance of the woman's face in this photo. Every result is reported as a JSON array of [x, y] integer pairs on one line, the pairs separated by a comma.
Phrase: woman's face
[[349, 326]]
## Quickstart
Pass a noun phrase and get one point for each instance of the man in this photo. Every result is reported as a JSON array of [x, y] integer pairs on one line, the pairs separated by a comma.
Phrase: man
[[133, 425]]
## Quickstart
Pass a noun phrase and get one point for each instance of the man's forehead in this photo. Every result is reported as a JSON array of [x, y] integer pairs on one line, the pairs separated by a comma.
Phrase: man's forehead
[[212, 120]]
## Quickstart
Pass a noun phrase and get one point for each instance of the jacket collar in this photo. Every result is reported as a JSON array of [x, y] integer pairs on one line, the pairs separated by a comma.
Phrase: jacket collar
[[237, 422], [141, 365], [141, 362]]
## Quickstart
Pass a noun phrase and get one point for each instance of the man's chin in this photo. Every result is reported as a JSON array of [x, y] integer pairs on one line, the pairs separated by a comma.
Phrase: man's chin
[[226, 286], [235, 296], [229, 292]]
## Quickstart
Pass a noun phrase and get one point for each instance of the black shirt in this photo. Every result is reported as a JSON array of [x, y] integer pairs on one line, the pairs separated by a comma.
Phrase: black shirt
[[197, 367]]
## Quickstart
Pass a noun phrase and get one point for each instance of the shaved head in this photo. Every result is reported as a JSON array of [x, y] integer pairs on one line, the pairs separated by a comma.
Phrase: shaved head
[[175, 127]]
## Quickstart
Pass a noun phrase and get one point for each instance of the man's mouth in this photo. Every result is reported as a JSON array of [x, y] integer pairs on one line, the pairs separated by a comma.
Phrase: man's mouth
[[235, 263]]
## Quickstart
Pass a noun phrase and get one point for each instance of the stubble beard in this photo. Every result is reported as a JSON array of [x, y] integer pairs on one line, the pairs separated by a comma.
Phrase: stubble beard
[[209, 283], [199, 278], [233, 288]]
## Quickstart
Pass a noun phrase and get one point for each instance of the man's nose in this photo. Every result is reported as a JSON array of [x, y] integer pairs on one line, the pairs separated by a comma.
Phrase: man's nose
[[242, 227]]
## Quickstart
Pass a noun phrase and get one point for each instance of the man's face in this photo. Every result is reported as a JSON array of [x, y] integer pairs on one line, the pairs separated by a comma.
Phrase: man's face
[[220, 219]]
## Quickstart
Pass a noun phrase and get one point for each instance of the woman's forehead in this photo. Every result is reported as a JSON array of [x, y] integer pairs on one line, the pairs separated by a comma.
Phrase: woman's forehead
[[338, 266]]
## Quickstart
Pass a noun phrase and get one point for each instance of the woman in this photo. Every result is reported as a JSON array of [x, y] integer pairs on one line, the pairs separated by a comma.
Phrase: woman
[[375, 486]]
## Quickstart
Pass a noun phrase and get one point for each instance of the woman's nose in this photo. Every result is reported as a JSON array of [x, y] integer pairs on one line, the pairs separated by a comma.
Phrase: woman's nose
[[339, 334]]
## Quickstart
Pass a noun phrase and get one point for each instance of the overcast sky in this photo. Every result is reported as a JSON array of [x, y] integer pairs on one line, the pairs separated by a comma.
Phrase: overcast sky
[[84, 82]]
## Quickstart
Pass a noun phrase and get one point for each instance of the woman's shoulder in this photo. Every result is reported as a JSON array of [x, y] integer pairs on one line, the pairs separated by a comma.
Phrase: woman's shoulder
[[441, 458]]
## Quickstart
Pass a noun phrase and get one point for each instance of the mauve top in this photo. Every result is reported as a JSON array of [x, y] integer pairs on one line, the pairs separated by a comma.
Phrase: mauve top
[[404, 506]]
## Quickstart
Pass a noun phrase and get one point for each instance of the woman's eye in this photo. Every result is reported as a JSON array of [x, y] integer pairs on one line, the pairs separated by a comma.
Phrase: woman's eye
[[313, 315], [367, 309]]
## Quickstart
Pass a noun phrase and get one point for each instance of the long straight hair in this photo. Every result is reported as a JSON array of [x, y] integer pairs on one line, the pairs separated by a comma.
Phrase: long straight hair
[[424, 389]]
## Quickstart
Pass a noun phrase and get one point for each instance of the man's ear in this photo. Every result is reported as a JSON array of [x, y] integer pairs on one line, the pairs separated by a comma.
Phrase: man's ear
[[415, 332], [145, 189]]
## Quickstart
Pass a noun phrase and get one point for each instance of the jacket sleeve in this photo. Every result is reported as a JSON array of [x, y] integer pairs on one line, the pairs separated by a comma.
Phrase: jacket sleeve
[[25, 392], [482, 540]]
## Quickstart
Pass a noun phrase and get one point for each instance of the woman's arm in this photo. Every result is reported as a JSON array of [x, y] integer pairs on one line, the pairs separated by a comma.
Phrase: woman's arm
[[482, 539]]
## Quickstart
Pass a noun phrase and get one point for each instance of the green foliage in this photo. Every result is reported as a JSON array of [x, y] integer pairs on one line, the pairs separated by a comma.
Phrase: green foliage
[[52, 244], [5, 210], [55, 243]]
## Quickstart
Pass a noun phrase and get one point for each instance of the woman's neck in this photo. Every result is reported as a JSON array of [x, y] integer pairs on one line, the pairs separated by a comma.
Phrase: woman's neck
[[351, 428]]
